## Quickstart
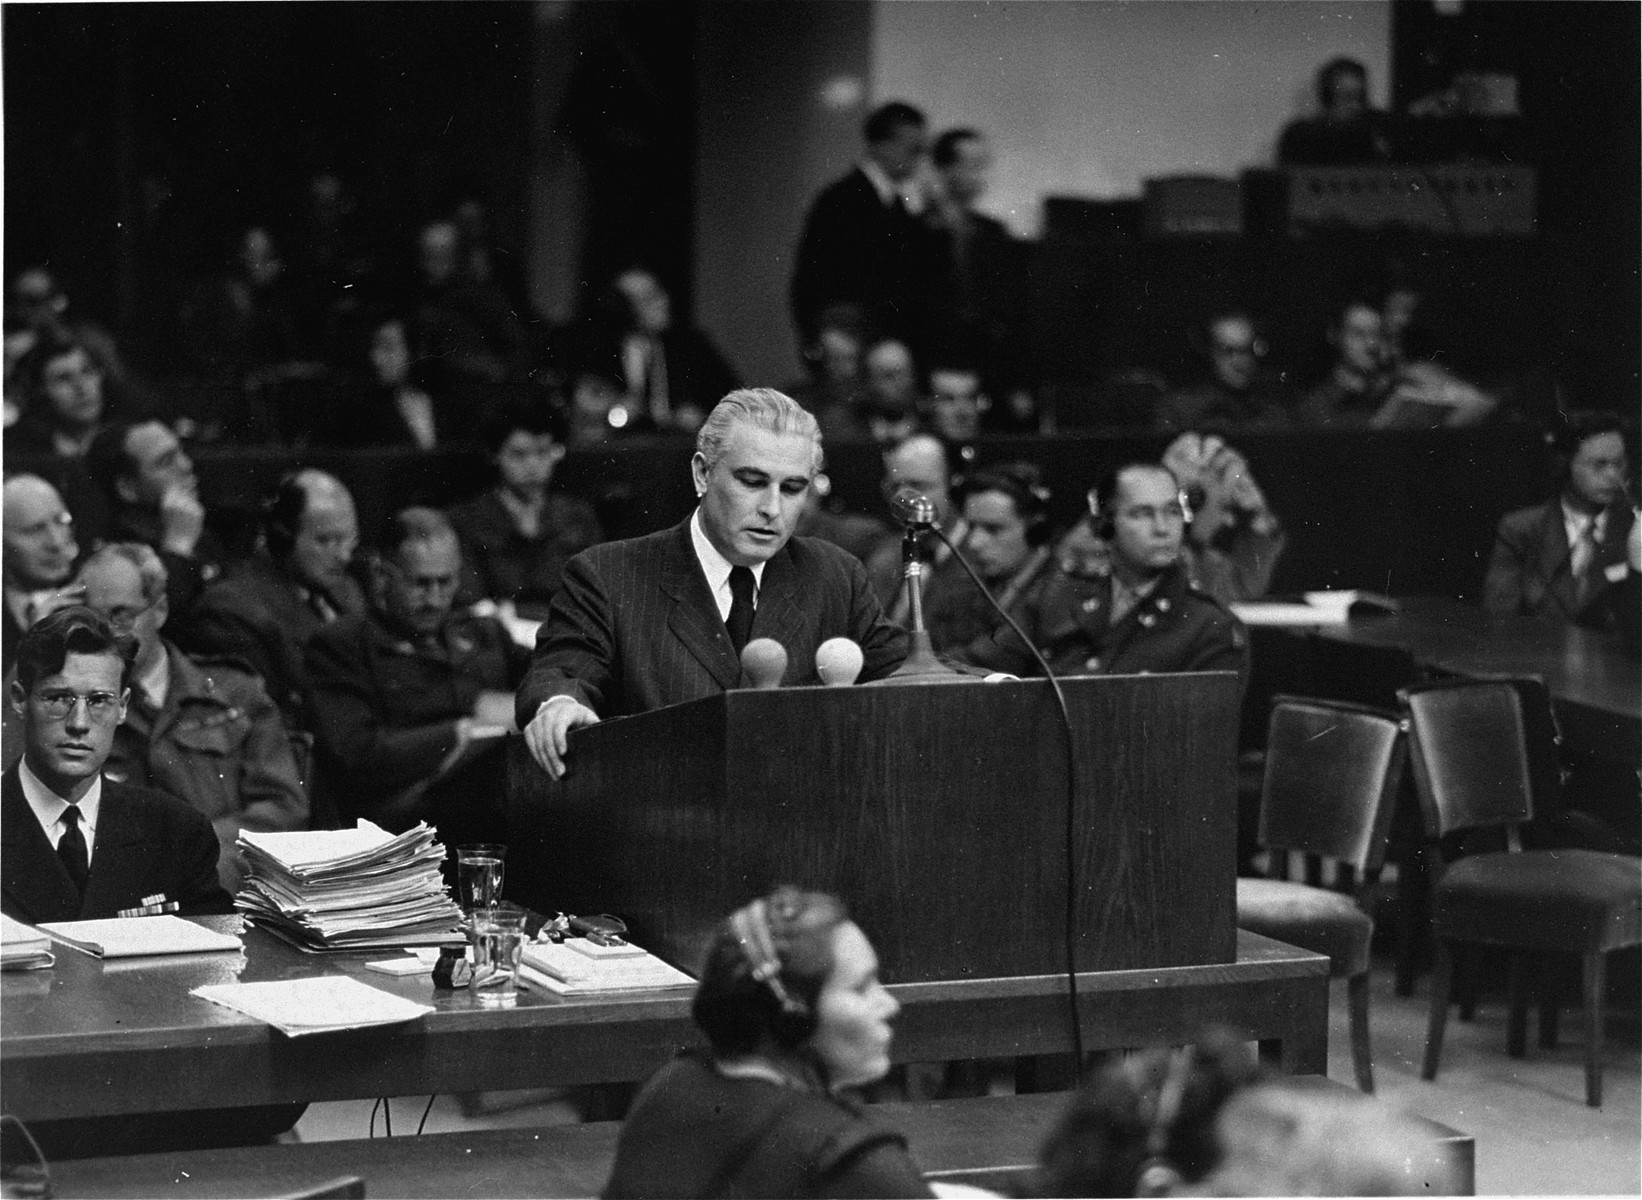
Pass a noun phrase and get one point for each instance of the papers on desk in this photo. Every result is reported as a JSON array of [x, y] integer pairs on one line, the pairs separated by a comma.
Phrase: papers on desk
[[134, 937], [301, 1006], [572, 969], [1318, 608], [23, 947], [348, 889]]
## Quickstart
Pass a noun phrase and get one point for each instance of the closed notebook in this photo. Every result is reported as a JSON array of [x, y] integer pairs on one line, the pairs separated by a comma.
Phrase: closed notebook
[[131, 937]]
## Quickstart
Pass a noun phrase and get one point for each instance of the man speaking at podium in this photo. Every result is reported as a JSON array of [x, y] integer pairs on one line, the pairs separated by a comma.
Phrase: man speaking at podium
[[657, 620]]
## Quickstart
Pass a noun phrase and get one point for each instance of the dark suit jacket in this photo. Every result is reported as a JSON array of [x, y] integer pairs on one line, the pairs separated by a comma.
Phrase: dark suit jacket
[[147, 843], [635, 627], [855, 249], [1529, 572]]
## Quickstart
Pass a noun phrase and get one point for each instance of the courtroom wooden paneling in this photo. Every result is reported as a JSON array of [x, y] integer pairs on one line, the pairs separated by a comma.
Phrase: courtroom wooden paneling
[[938, 813]]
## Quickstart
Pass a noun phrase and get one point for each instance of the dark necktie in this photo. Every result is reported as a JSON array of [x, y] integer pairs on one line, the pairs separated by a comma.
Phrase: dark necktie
[[740, 620], [71, 849]]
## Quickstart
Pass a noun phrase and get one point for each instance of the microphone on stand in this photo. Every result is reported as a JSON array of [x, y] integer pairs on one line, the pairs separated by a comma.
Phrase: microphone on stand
[[764, 661], [916, 513]]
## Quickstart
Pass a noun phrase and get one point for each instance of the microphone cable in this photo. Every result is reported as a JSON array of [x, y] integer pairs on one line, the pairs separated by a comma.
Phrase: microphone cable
[[1071, 806]]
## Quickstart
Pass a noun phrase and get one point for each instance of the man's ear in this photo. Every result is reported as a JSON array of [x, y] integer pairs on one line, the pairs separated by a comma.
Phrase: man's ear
[[125, 704], [698, 473], [17, 696], [162, 610], [125, 489]]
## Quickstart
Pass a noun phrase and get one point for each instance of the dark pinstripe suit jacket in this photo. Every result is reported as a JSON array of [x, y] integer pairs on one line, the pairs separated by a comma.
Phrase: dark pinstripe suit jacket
[[635, 628]]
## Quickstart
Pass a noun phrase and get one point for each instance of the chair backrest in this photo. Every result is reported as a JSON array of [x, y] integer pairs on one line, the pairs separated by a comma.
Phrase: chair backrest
[[1332, 772], [1470, 749]]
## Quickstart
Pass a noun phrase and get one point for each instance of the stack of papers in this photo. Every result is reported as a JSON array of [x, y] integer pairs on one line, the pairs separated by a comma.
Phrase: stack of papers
[[132, 937], [348, 889], [23, 947], [578, 967], [299, 1006]]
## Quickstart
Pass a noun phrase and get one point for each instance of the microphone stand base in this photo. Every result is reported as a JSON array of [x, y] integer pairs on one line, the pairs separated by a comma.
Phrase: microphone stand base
[[921, 666]]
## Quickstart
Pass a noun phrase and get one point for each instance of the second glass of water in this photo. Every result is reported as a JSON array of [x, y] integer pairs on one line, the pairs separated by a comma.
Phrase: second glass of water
[[479, 870]]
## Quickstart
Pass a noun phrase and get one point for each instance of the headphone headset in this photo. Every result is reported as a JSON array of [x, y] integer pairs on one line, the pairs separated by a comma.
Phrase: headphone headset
[[1101, 509], [282, 514], [793, 1023], [1023, 485], [1157, 1175]]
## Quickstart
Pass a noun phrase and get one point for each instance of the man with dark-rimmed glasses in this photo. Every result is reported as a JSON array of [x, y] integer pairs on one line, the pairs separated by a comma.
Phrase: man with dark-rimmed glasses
[[73, 845]]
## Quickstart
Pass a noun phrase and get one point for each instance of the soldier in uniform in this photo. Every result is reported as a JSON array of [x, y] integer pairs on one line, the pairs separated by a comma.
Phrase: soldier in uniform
[[1136, 612], [202, 730], [410, 698]]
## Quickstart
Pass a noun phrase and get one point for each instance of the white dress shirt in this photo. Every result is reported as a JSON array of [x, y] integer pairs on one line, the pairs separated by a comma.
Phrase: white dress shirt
[[1584, 531], [717, 568], [48, 807]]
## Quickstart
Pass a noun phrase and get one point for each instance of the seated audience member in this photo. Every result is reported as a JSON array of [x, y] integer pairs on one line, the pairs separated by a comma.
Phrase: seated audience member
[[153, 497], [463, 322], [517, 536], [889, 406], [37, 553], [833, 358], [673, 373], [956, 402], [241, 327], [63, 403], [1564, 560], [403, 402], [410, 698], [38, 310], [1357, 383], [1234, 539], [1284, 1138], [79, 846], [202, 730], [1345, 131], [1236, 393], [823, 518], [1144, 1125], [795, 1016], [918, 462], [296, 583], [1422, 393], [1139, 611], [661, 619], [1007, 541]]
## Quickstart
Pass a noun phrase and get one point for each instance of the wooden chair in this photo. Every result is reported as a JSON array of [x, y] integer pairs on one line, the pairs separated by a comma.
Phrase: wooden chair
[[1332, 772], [1475, 776]]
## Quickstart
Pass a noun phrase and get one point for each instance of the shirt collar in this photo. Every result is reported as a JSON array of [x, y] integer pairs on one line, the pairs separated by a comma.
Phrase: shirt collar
[[49, 807], [1576, 521], [154, 684], [881, 182], [713, 564]]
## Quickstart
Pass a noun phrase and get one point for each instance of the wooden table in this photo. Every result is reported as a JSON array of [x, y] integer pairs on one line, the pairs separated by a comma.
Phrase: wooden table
[[1595, 685], [88, 1039], [989, 1140]]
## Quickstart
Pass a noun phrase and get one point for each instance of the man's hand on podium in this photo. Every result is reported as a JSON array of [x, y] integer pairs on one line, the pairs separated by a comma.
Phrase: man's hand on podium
[[548, 731]]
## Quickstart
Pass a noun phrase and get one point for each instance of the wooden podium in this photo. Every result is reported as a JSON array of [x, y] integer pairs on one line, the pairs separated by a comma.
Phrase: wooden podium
[[937, 813]]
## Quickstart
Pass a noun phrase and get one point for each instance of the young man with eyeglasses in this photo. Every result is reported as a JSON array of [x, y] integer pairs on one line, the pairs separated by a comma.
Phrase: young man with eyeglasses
[[74, 845]]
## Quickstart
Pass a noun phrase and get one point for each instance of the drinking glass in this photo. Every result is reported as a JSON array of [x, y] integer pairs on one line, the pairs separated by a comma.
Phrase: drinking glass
[[479, 870], [498, 940]]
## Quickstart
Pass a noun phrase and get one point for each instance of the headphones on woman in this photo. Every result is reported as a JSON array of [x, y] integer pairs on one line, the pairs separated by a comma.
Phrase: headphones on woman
[[282, 514], [794, 1022]]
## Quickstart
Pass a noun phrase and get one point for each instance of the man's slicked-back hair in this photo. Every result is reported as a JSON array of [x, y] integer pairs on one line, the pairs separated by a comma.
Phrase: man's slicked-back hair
[[945, 151], [761, 408], [75, 630], [1106, 487], [886, 120], [150, 568]]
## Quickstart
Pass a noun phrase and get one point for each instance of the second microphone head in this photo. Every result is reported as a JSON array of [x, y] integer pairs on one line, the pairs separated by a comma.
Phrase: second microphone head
[[764, 660]]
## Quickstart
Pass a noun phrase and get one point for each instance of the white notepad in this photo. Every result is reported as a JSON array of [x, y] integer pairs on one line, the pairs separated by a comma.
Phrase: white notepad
[[318, 1005], [130, 937]]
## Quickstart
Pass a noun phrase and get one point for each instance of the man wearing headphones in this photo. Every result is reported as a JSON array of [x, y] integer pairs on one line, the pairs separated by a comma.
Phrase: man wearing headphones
[[1565, 560], [1005, 510], [297, 583], [1137, 612]]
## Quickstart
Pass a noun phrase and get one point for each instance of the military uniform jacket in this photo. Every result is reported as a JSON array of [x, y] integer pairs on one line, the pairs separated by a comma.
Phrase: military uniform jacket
[[218, 744], [1174, 628], [147, 844], [386, 703]]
